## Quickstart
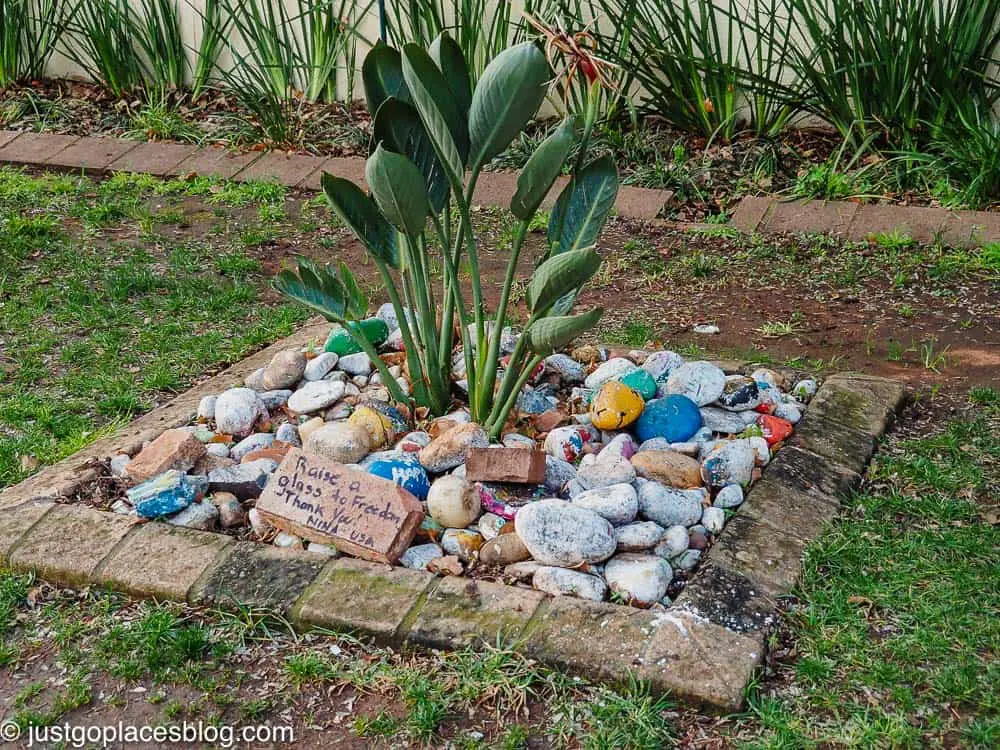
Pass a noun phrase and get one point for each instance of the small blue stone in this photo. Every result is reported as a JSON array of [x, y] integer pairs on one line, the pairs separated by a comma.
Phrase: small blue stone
[[163, 495], [533, 402], [407, 473], [675, 418]]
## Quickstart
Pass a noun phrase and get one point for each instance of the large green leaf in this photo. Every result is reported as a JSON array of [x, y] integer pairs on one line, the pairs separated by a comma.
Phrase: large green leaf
[[435, 124], [419, 70], [583, 206], [508, 94], [560, 275], [398, 189], [542, 169], [382, 76], [447, 54], [398, 127], [357, 300], [322, 290], [359, 212], [549, 335]]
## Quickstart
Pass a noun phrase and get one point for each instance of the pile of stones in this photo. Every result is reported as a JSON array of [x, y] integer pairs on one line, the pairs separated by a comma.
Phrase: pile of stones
[[646, 455]]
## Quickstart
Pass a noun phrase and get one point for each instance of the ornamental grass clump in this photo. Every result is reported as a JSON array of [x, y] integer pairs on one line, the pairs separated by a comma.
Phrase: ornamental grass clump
[[433, 134]]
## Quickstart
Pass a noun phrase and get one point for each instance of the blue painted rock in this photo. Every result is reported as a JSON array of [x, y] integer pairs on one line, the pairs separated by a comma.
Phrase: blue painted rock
[[565, 443], [641, 382], [405, 472], [675, 418], [532, 402], [163, 495]]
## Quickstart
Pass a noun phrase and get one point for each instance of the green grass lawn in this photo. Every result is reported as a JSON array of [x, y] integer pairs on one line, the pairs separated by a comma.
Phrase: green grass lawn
[[104, 310]]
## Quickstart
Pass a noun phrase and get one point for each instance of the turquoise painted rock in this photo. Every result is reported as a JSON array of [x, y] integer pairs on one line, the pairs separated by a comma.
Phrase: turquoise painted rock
[[340, 342], [405, 472], [675, 418], [163, 495], [641, 382]]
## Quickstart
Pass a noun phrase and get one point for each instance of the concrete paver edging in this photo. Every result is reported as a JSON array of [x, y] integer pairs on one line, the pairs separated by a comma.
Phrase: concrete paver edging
[[705, 649]]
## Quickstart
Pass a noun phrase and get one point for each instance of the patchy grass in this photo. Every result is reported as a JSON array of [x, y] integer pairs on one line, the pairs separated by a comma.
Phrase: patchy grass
[[104, 310], [896, 630]]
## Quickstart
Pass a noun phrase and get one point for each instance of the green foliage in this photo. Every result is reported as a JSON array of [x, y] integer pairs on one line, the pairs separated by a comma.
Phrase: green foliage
[[433, 137], [29, 31]]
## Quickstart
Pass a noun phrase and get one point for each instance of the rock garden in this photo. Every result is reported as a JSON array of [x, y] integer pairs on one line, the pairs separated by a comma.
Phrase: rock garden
[[617, 471]]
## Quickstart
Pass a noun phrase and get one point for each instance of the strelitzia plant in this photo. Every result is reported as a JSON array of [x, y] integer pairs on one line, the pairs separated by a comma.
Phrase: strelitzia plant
[[433, 135]]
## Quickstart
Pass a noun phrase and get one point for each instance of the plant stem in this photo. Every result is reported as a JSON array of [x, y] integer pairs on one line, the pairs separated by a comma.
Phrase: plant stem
[[495, 425]]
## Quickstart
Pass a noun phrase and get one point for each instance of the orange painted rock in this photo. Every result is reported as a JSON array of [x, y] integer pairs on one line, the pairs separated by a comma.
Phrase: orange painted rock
[[615, 406], [775, 429]]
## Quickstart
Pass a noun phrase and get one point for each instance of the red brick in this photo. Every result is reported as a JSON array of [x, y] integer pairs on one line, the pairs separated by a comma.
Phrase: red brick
[[831, 217], [285, 169], [157, 159], [35, 148], [91, 153], [215, 161], [518, 465], [174, 449]]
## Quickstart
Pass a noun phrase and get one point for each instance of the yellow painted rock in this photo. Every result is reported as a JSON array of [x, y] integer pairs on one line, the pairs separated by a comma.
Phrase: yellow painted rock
[[378, 426], [615, 406]]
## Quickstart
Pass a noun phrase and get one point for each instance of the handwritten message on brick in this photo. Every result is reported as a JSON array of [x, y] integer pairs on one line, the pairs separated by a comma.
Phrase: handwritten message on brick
[[326, 502]]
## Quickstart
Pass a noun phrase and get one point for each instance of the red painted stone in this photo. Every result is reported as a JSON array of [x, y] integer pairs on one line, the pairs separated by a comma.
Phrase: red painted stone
[[775, 429]]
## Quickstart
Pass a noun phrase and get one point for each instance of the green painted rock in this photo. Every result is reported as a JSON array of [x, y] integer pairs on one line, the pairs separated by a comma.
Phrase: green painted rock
[[340, 342], [641, 382]]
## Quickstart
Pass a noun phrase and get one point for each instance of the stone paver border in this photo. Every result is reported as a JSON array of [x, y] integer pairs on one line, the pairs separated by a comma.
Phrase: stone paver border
[[705, 649], [101, 155], [857, 221]]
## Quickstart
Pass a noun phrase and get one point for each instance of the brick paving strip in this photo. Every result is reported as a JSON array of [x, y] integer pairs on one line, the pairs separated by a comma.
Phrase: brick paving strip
[[102, 155], [705, 649], [858, 222]]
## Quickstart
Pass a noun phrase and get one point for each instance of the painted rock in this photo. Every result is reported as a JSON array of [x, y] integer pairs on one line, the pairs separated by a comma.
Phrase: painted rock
[[702, 382], [316, 395], [533, 402], [640, 579], [675, 418], [618, 503], [730, 463], [462, 543], [804, 389], [340, 342], [450, 448], [489, 525], [504, 549], [453, 502], [405, 472], [237, 411], [670, 507], [379, 428], [610, 370], [740, 393], [615, 407], [730, 496], [673, 542], [570, 371], [419, 556], [566, 443], [621, 445], [163, 495], [713, 519], [340, 442], [634, 537], [641, 382], [559, 533], [430, 529], [772, 378], [661, 364], [722, 421], [560, 581], [775, 429], [284, 370]]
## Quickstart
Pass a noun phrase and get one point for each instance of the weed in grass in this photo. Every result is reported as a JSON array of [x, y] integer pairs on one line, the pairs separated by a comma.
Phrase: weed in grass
[[633, 333], [160, 122], [895, 239], [779, 328], [701, 265], [984, 396]]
